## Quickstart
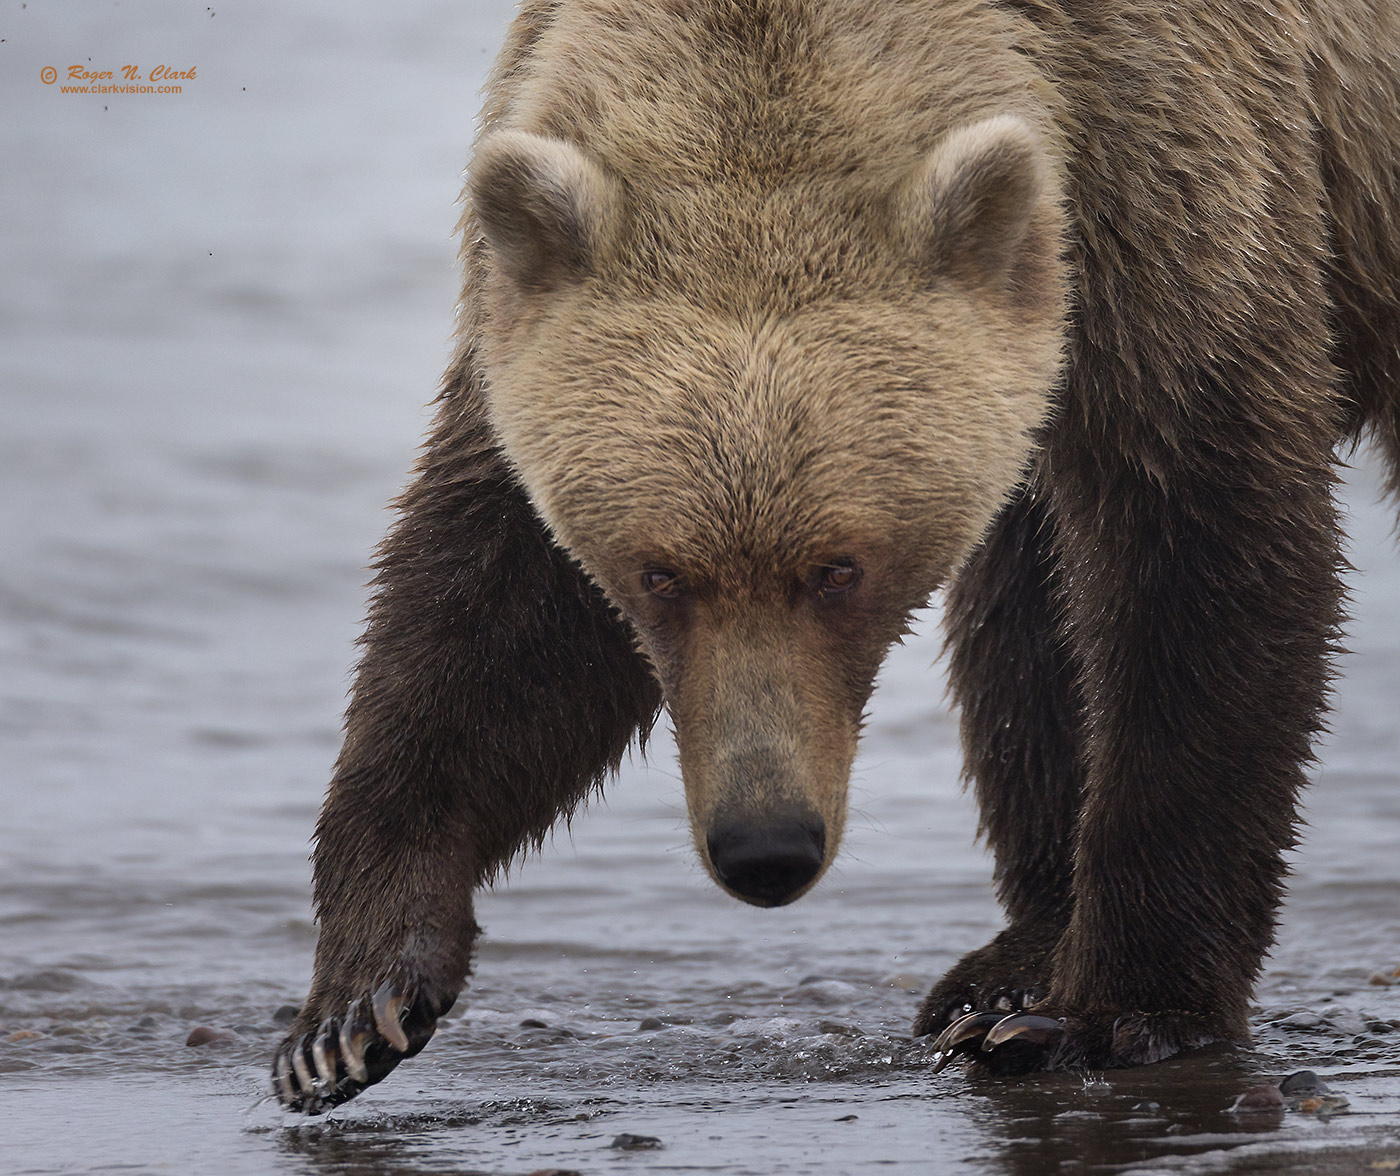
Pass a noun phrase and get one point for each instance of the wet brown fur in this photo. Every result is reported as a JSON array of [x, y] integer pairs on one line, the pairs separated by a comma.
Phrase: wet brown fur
[[733, 334]]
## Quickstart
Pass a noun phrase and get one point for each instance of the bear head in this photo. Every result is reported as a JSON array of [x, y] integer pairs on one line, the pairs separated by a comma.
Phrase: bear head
[[769, 414]]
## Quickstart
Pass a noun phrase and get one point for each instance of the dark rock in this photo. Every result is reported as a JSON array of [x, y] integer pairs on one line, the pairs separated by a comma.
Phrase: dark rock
[[651, 1023], [1304, 1082], [628, 1142], [533, 1023], [285, 1014]]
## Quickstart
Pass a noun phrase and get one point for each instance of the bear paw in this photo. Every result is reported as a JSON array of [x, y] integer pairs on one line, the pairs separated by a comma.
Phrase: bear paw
[[1019, 1043], [322, 1063], [1008, 975]]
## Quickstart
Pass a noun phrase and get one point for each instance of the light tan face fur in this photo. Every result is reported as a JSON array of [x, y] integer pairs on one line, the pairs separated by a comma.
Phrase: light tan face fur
[[742, 386]]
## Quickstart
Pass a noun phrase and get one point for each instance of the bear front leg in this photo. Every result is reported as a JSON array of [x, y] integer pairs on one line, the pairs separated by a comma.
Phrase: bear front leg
[[1203, 614], [1012, 680], [495, 690], [1206, 631]]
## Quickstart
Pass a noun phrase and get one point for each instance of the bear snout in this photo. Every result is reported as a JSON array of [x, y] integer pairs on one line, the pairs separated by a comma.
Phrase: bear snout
[[768, 863]]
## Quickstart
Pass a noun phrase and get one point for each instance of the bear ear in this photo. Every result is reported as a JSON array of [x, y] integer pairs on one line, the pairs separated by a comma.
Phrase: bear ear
[[967, 208], [547, 210]]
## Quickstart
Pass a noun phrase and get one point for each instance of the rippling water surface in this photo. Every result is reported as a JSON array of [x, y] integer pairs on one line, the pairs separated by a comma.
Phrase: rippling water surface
[[220, 314]]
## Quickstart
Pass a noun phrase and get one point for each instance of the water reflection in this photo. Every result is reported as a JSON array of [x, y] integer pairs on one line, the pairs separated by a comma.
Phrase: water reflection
[[1068, 1123]]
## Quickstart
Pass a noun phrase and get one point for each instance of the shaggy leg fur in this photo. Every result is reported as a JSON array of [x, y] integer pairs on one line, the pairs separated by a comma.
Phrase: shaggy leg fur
[[1188, 476], [1202, 615], [496, 690], [1013, 681], [1205, 630]]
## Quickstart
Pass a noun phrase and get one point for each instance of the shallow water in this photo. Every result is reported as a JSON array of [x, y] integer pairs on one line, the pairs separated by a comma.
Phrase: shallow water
[[221, 313]]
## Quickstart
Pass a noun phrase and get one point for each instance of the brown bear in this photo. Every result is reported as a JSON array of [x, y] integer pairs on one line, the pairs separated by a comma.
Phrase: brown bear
[[778, 316]]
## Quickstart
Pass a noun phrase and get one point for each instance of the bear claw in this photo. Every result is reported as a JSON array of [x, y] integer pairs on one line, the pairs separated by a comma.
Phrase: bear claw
[[965, 1035], [325, 1066], [283, 1078], [303, 1074], [352, 1045], [1025, 1029], [389, 1007], [323, 1059], [1007, 1043]]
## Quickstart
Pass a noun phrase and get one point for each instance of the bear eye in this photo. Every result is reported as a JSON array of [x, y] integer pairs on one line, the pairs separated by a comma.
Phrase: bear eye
[[837, 577], [662, 582]]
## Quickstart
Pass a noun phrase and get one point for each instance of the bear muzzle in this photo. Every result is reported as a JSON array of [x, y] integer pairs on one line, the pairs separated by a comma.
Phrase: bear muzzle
[[770, 862]]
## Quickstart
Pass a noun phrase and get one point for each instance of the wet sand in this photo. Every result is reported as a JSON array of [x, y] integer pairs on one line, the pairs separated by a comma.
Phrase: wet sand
[[220, 315]]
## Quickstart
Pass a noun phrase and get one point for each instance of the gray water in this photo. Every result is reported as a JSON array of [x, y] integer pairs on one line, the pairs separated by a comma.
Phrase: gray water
[[220, 315]]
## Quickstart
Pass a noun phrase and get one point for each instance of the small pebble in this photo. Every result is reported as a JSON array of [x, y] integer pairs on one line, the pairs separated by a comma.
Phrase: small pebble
[[24, 1035], [1259, 1098], [533, 1023], [651, 1023], [1385, 1165], [203, 1035], [286, 1014], [1300, 1021], [628, 1142], [1381, 979], [848, 1118], [1327, 1104]]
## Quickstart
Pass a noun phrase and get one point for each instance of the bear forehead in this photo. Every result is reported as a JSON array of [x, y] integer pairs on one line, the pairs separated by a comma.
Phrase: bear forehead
[[736, 89], [747, 249], [758, 141], [804, 436]]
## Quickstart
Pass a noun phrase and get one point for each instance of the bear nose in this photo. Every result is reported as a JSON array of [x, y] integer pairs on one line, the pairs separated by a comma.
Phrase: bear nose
[[767, 864]]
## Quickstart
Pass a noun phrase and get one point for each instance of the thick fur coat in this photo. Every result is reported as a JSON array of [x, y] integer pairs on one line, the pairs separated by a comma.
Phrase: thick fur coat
[[778, 316]]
